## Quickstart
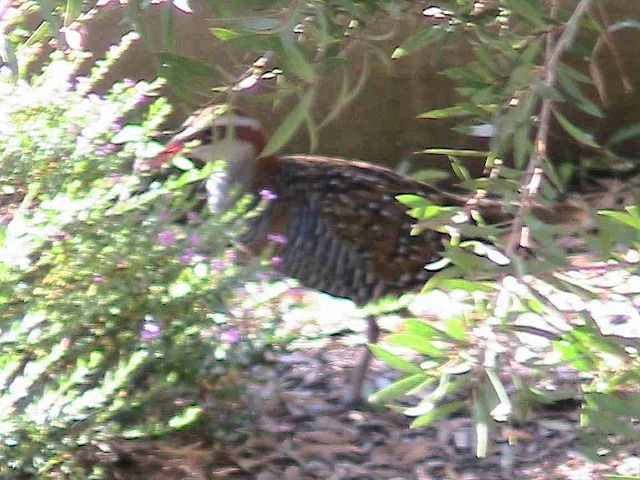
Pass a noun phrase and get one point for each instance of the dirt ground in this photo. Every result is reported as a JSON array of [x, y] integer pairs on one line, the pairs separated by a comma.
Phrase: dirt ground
[[300, 430]]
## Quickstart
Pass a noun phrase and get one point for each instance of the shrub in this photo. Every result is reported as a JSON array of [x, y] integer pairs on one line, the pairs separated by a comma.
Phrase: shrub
[[114, 316]]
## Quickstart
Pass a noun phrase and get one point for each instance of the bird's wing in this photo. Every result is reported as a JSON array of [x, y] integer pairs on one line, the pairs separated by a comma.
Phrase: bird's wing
[[337, 226]]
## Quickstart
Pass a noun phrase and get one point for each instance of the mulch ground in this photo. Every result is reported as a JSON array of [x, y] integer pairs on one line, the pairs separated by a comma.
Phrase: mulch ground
[[300, 430]]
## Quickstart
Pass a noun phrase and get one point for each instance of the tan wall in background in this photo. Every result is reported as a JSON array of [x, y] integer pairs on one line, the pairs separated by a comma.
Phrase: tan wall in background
[[381, 125]]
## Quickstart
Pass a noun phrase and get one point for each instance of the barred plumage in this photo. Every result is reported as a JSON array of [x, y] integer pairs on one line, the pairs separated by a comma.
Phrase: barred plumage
[[346, 234], [338, 225]]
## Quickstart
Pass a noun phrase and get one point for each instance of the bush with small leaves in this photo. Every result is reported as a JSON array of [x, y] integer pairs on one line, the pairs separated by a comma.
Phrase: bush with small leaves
[[114, 317]]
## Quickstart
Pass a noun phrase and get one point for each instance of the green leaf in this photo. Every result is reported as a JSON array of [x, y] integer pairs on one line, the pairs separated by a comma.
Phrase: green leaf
[[571, 29], [571, 352], [431, 175], [415, 342], [134, 16], [437, 413], [168, 38], [47, 8], [399, 388], [393, 360], [621, 404], [439, 277], [522, 146], [298, 65], [72, 11], [580, 135], [412, 200], [450, 112], [290, 125], [466, 285], [530, 10], [346, 96], [429, 212], [465, 260], [622, 217], [185, 65], [581, 100], [456, 328], [572, 73], [550, 170], [459, 168], [224, 34], [606, 423], [190, 415], [492, 184], [455, 152], [418, 327], [186, 76], [547, 92], [416, 42], [624, 134]]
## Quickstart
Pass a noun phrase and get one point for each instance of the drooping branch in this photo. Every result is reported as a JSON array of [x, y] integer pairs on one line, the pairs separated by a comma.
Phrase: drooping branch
[[534, 173]]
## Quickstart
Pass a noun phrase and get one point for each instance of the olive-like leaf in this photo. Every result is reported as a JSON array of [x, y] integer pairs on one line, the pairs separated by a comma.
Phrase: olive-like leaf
[[624, 134], [437, 413], [415, 342], [416, 42], [399, 388], [578, 134], [393, 360], [530, 10], [455, 152], [622, 217], [298, 65], [449, 112], [224, 34], [290, 125]]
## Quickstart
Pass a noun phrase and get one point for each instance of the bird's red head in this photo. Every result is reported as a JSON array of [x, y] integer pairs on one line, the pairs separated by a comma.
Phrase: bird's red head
[[225, 137]]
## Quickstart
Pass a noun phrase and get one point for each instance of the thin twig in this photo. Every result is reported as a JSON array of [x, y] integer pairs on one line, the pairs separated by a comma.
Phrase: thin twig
[[534, 172]]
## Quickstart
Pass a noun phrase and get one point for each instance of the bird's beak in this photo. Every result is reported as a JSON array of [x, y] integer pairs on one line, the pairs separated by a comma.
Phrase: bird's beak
[[170, 150]]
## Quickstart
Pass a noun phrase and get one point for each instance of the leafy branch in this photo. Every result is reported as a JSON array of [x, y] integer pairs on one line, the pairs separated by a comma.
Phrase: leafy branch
[[534, 174]]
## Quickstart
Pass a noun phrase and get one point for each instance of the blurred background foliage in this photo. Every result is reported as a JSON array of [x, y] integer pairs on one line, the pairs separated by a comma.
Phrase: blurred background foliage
[[124, 312]]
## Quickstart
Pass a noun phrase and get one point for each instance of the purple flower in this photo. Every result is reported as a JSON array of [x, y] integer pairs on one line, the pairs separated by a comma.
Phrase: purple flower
[[150, 329], [268, 194], [218, 265], [187, 257], [192, 216], [106, 148], [115, 177], [97, 279], [276, 261], [277, 238], [141, 99], [167, 238], [63, 236], [194, 240], [230, 336]]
